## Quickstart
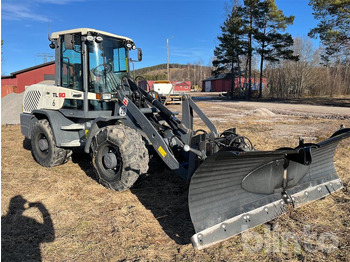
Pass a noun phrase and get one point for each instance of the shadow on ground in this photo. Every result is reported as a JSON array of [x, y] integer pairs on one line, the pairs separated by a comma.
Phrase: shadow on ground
[[21, 235], [161, 192], [84, 161], [320, 101], [166, 196]]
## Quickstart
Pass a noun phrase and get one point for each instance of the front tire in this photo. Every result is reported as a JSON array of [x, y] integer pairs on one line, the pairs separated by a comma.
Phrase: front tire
[[119, 157], [43, 146]]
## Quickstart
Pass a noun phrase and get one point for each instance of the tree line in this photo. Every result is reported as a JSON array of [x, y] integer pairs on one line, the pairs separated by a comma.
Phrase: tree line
[[308, 76], [254, 38], [194, 72]]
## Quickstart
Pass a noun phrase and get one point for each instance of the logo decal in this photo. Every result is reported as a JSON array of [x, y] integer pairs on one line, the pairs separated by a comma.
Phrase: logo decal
[[125, 101], [122, 111], [59, 95]]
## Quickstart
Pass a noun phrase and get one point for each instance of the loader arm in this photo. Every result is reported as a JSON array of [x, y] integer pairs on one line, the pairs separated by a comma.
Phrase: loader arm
[[175, 137]]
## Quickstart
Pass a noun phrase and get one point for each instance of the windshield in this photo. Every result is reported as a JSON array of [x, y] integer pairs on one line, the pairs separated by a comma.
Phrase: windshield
[[108, 64]]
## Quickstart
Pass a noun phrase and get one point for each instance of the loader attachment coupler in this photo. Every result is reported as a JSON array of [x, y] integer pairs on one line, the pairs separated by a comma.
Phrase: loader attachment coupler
[[234, 191]]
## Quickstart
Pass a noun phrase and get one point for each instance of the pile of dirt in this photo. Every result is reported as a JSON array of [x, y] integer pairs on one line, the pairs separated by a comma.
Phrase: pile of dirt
[[11, 108], [260, 112]]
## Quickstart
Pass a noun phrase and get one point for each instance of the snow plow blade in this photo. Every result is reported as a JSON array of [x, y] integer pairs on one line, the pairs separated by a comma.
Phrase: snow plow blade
[[234, 191]]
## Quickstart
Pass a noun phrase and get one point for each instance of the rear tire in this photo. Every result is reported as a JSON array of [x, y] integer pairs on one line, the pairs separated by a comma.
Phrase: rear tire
[[43, 146], [119, 157]]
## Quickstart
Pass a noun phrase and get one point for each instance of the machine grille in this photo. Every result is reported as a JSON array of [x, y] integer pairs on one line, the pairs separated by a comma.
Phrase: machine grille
[[31, 100]]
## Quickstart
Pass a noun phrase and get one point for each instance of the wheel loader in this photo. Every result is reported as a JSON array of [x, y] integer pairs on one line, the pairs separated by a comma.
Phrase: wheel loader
[[96, 105]]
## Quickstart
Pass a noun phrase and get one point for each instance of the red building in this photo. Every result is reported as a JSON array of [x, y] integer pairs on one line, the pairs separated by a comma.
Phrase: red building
[[184, 86], [17, 81], [222, 83]]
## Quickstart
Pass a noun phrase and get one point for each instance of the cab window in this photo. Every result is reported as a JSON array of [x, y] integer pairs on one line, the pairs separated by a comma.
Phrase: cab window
[[71, 71]]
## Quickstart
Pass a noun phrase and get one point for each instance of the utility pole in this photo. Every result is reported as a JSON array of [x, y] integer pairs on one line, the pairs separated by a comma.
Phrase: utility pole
[[167, 57], [45, 56]]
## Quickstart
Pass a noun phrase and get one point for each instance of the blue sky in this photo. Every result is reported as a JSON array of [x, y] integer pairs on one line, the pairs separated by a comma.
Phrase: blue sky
[[191, 25]]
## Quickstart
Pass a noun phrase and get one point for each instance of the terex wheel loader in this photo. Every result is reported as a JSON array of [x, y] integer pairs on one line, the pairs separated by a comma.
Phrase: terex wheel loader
[[96, 105]]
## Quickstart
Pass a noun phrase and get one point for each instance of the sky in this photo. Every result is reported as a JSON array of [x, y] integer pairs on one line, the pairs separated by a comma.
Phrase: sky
[[192, 27]]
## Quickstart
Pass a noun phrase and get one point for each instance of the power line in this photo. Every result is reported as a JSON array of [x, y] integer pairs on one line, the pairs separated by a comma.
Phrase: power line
[[45, 56]]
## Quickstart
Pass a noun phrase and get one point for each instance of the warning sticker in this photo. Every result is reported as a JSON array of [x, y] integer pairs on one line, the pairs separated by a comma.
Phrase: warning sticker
[[125, 101], [162, 151]]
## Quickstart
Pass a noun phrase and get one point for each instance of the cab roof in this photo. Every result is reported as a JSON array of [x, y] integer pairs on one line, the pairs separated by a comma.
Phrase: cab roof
[[84, 31]]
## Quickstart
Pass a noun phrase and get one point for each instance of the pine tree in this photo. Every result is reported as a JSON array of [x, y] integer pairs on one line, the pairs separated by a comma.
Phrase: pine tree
[[333, 28], [257, 26], [231, 45], [249, 17], [272, 44]]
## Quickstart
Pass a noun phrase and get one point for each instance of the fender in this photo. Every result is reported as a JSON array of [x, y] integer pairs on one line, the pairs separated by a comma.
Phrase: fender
[[27, 121], [63, 138], [99, 123]]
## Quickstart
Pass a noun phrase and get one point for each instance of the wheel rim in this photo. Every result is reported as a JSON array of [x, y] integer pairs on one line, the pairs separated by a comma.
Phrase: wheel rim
[[109, 162], [42, 144]]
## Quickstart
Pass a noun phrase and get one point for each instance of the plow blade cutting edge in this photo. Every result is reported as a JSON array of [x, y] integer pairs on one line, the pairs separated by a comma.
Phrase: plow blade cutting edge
[[234, 191]]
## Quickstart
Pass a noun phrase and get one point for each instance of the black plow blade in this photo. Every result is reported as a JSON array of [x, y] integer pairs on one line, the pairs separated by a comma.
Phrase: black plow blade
[[234, 191]]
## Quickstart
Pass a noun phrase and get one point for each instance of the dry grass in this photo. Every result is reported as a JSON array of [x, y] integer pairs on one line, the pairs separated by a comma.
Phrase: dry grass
[[151, 222]]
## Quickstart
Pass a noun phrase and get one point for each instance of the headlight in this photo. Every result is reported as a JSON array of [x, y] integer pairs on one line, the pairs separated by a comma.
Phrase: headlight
[[107, 96], [104, 96]]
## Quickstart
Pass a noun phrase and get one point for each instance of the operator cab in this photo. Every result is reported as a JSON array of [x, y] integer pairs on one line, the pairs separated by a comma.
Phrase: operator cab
[[91, 61]]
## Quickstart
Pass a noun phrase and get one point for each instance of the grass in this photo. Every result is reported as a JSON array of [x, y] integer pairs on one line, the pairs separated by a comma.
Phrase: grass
[[151, 222]]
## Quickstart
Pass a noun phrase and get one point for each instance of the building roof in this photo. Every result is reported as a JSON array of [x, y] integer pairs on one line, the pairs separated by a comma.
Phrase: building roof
[[5, 77], [182, 83], [217, 77], [33, 68], [84, 31], [28, 69]]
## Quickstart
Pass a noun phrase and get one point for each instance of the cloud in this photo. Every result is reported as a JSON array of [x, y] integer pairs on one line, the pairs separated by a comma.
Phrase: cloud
[[57, 2], [21, 10], [18, 12]]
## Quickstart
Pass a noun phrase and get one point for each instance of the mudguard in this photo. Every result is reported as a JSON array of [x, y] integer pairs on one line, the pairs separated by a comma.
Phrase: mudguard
[[234, 191]]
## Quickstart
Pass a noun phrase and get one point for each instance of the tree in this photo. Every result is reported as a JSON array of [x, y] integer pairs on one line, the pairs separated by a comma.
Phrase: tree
[[333, 28], [231, 45], [250, 16], [255, 27], [272, 44], [306, 77]]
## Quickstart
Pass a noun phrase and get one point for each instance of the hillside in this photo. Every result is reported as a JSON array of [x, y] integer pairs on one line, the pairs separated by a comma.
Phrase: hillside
[[178, 72]]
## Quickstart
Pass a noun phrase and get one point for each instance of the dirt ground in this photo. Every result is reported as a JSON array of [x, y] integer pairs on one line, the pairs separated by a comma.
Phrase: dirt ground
[[63, 214]]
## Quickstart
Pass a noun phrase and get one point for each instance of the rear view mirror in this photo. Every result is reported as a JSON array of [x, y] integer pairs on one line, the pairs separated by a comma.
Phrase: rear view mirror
[[139, 54], [69, 42]]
